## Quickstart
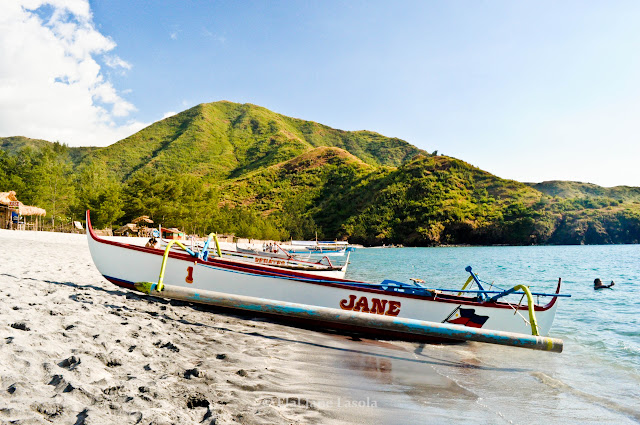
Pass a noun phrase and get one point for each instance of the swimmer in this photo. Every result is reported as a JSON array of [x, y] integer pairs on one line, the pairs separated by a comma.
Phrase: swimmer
[[597, 284]]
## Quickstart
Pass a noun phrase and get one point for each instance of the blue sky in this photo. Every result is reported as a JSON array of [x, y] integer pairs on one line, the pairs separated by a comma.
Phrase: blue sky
[[526, 90]]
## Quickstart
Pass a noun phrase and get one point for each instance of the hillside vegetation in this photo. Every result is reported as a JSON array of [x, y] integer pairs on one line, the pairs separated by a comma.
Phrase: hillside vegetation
[[246, 170], [565, 189]]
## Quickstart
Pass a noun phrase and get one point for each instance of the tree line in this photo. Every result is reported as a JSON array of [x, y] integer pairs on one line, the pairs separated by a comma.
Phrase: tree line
[[429, 201], [48, 179]]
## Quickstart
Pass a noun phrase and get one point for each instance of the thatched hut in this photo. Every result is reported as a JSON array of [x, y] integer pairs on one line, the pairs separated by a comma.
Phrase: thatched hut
[[14, 212], [145, 225], [137, 227], [127, 230], [142, 219]]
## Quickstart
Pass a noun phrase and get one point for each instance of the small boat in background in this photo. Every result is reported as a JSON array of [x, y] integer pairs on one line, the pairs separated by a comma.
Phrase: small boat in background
[[333, 248], [280, 258], [323, 266]]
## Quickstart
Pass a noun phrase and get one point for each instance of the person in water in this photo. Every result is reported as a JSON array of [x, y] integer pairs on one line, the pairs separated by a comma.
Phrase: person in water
[[597, 284]]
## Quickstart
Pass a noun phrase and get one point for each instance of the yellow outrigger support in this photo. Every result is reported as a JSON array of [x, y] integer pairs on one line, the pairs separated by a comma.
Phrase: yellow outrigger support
[[147, 287], [215, 238], [465, 285], [532, 314]]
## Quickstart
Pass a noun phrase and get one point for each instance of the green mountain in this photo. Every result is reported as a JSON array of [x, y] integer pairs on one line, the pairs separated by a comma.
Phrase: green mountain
[[243, 169], [567, 189], [421, 202], [224, 140], [16, 144]]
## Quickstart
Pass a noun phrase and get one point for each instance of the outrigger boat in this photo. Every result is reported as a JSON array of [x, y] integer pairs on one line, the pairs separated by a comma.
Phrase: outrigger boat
[[282, 259], [334, 248], [390, 308], [320, 267]]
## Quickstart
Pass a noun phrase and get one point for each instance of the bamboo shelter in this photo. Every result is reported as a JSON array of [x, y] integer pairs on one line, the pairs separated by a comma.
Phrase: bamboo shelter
[[138, 227], [15, 215]]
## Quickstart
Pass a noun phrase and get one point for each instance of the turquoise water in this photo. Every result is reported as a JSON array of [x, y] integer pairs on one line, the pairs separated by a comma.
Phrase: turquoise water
[[597, 377]]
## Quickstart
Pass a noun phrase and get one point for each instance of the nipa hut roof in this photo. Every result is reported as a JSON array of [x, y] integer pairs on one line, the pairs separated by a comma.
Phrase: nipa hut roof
[[29, 210], [7, 197], [144, 218], [127, 227]]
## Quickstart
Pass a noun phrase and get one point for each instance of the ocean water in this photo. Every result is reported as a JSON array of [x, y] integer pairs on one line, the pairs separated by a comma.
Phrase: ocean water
[[596, 379]]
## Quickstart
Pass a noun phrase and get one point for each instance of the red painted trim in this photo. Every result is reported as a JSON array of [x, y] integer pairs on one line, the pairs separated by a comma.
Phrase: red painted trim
[[120, 283], [328, 281]]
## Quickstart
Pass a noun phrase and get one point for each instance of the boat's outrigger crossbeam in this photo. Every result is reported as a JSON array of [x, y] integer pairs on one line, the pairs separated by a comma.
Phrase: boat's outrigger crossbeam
[[500, 293], [204, 254], [147, 287], [417, 288]]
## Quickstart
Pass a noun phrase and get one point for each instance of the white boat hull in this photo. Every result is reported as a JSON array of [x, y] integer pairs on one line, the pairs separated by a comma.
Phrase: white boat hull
[[124, 265]]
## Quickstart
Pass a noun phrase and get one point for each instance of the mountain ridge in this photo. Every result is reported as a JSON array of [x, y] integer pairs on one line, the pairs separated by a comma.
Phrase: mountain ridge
[[244, 169], [239, 138]]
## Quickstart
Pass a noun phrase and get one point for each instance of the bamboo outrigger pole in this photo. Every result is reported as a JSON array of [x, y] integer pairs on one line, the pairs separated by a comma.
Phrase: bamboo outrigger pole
[[351, 318]]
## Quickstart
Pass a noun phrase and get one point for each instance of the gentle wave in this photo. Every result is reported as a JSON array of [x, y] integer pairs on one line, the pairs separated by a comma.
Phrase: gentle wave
[[592, 398]]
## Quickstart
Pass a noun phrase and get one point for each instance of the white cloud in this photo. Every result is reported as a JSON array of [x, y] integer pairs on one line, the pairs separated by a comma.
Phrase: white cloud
[[51, 85], [116, 62], [168, 114]]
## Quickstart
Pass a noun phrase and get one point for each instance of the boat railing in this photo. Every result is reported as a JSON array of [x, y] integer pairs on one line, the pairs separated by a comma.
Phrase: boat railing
[[394, 285]]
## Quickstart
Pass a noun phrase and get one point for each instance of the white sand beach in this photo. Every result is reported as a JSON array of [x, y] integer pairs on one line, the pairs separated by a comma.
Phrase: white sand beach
[[75, 349]]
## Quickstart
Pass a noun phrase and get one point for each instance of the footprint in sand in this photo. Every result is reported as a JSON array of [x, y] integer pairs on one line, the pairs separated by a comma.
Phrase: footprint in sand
[[70, 363]]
